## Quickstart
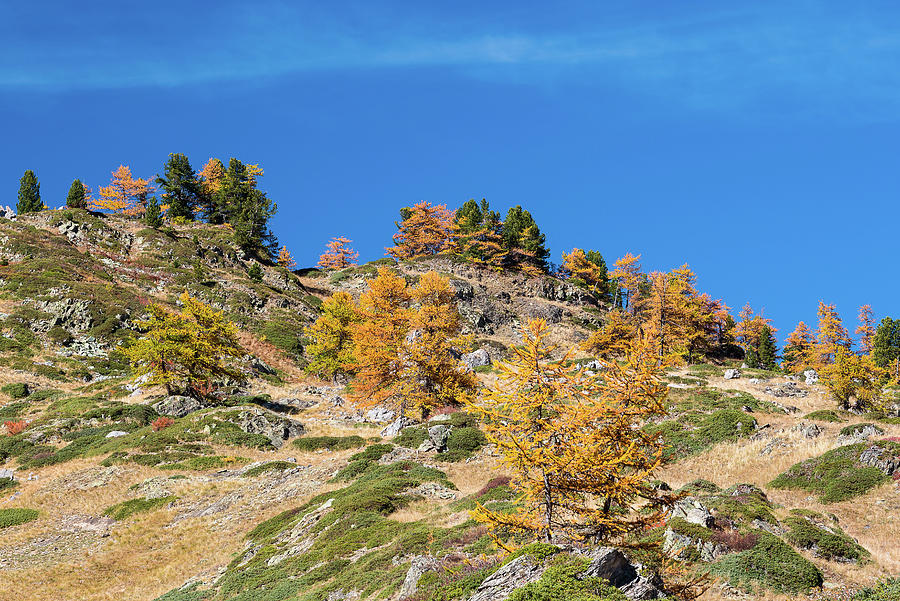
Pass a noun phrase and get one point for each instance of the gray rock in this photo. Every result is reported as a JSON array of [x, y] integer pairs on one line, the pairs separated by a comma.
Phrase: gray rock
[[475, 359], [8, 473], [380, 415], [177, 405], [693, 511], [807, 430], [261, 366], [393, 429], [116, 434], [859, 435], [632, 579], [732, 374], [787, 390], [7, 212], [417, 568], [675, 542], [516, 574], [272, 426], [881, 459], [812, 377], [438, 436]]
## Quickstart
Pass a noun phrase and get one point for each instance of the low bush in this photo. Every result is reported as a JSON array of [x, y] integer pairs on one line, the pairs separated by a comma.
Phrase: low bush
[[328, 443], [162, 423], [13, 428], [832, 544], [771, 564], [462, 443], [17, 390], [269, 466], [13, 516], [126, 509], [837, 475], [825, 415]]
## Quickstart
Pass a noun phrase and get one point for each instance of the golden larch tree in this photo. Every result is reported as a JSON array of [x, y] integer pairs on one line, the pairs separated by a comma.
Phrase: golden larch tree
[[285, 259], [425, 230], [614, 338], [406, 344], [339, 254], [831, 335], [577, 264], [573, 441], [866, 329], [186, 351], [750, 329], [125, 194], [798, 349], [212, 176], [628, 277], [854, 381], [331, 348]]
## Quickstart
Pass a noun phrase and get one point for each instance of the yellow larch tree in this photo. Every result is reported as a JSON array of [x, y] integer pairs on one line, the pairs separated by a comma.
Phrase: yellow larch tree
[[186, 351], [285, 259], [628, 277], [331, 348], [212, 176], [577, 264], [831, 335], [426, 230], [854, 381], [406, 343], [614, 338], [866, 329], [339, 254], [798, 349], [573, 441], [750, 329], [125, 194]]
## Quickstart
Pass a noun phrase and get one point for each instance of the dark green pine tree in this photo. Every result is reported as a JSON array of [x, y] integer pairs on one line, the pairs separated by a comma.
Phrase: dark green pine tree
[[75, 198], [478, 230], [886, 344], [524, 240], [29, 194], [248, 210], [152, 214], [181, 189], [767, 354]]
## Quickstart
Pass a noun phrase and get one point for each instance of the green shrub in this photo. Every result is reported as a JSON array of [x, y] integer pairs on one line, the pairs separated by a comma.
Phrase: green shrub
[[269, 466], [7, 483], [59, 335], [830, 545], [854, 429], [17, 390], [772, 564], [329, 443], [462, 443], [825, 415], [125, 509], [411, 437], [563, 581], [13, 516], [884, 590], [837, 474]]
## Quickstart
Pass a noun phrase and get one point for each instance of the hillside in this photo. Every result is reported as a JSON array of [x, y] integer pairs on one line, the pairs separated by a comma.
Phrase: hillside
[[283, 489]]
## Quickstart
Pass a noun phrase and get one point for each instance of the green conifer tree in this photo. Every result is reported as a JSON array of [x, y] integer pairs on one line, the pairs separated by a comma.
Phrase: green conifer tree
[[767, 354], [886, 345], [29, 194], [75, 198], [153, 215], [180, 186], [524, 241]]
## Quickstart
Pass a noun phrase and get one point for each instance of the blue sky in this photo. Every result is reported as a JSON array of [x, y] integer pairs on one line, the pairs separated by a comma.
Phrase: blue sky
[[758, 143]]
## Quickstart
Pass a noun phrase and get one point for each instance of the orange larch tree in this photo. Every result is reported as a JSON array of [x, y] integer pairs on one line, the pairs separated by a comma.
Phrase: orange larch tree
[[798, 349], [593, 274], [211, 176], [750, 329], [613, 339], [339, 254], [628, 277], [125, 194], [285, 259], [831, 335], [406, 343], [866, 329], [426, 230], [582, 463]]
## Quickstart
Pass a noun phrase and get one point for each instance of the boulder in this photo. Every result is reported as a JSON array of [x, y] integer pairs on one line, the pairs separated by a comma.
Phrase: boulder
[[516, 574], [732, 374], [807, 430], [675, 542], [116, 434], [438, 436], [177, 405], [812, 376], [788, 389], [417, 568], [632, 579], [274, 427], [7, 212], [881, 459], [475, 359], [380, 415], [693, 511], [393, 429]]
